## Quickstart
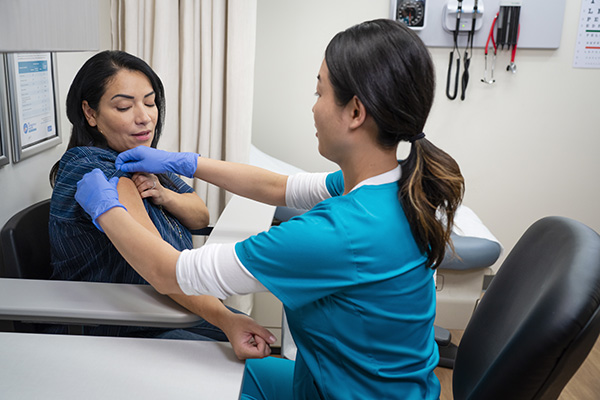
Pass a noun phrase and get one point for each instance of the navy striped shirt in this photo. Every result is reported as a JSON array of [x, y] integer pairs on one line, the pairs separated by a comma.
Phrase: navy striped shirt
[[79, 251]]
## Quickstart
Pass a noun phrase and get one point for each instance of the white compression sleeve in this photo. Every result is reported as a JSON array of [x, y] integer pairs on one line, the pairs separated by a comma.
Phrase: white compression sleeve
[[304, 190], [215, 270]]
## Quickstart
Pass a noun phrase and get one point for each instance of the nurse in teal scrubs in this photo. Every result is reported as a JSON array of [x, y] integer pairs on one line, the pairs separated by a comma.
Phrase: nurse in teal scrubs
[[355, 271]]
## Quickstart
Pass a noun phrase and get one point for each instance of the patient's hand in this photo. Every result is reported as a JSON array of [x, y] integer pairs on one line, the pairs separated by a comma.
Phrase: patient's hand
[[247, 337], [149, 186], [188, 208]]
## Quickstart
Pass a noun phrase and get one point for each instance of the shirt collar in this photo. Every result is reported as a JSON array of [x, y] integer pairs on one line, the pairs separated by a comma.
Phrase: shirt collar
[[381, 179]]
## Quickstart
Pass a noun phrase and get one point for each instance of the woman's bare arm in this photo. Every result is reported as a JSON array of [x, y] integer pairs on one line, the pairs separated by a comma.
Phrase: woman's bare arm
[[144, 249]]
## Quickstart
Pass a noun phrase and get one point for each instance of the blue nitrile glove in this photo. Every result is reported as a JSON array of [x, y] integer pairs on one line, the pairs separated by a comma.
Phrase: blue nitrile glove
[[96, 195], [154, 161]]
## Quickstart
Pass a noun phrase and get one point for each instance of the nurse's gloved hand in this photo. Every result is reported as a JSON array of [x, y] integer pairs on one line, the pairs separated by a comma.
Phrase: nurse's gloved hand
[[154, 161], [96, 195]]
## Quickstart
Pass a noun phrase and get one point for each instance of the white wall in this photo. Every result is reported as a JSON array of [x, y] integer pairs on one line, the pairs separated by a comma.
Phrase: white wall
[[26, 182], [527, 145]]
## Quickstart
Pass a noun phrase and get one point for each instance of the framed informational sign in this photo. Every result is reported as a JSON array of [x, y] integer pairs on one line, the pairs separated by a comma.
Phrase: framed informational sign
[[3, 116], [33, 103]]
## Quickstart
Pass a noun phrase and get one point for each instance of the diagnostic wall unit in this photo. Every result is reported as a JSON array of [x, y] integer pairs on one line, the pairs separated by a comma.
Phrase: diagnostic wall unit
[[541, 23]]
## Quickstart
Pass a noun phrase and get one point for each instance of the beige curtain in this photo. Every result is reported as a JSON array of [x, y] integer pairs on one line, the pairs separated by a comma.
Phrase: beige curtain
[[203, 51]]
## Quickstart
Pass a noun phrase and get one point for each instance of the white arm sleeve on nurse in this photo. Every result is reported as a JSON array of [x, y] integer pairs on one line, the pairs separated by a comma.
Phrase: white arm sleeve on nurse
[[215, 270], [305, 190]]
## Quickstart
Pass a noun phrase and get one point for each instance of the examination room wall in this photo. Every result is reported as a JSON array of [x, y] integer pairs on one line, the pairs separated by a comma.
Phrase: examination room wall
[[26, 182], [527, 145]]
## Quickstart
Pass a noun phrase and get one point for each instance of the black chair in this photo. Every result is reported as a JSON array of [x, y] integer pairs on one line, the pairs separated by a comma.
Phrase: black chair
[[25, 247], [538, 319], [26, 244]]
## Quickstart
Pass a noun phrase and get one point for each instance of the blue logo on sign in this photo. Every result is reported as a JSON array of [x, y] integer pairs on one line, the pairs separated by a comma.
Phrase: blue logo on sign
[[25, 128]]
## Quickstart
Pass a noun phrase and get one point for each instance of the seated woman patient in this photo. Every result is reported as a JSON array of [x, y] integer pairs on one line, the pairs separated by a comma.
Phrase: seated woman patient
[[115, 103]]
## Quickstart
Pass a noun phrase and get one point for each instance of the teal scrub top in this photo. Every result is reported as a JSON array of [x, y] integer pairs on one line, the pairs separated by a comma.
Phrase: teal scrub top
[[359, 300]]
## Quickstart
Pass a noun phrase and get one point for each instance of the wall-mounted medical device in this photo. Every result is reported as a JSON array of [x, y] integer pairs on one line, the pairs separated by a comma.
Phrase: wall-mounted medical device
[[457, 24], [411, 12], [541, 23], [467, 13], [461, 17]]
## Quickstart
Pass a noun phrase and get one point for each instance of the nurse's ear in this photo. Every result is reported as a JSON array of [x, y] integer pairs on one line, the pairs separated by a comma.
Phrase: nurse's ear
[[357, 112], [89, 113]]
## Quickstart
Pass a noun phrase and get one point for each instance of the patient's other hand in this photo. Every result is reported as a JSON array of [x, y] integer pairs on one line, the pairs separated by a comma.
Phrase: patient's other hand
[[149, 187]]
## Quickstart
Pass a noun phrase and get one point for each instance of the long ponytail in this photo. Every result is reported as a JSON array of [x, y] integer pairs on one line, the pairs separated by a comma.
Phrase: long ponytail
[[431, 189]]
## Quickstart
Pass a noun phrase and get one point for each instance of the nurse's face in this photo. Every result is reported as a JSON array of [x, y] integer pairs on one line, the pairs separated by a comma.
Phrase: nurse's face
[[328, 116], [126, 114]]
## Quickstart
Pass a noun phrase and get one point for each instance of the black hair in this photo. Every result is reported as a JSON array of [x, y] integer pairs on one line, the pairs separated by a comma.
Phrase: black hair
[[388, 68], [90, 84]]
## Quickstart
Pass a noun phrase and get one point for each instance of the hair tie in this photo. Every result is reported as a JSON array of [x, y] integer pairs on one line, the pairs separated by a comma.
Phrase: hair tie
[[417, 137]]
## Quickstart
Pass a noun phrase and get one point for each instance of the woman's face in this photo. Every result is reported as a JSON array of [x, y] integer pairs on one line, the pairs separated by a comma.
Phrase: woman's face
[[328, 116], [126, 114]]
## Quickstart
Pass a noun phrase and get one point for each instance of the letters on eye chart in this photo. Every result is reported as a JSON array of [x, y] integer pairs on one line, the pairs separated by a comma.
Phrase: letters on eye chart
[[587, 48]]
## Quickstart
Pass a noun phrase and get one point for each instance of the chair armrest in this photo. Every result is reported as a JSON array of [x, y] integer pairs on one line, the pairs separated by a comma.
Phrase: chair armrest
[[90, 303], [442, 336]]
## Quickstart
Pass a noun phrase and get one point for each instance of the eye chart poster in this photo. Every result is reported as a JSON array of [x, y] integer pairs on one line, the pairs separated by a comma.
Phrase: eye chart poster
[[587, 48], [35, 97]]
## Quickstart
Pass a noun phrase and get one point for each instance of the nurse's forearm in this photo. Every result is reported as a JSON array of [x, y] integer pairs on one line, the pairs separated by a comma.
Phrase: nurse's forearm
[[153, 258], [244, 180]]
